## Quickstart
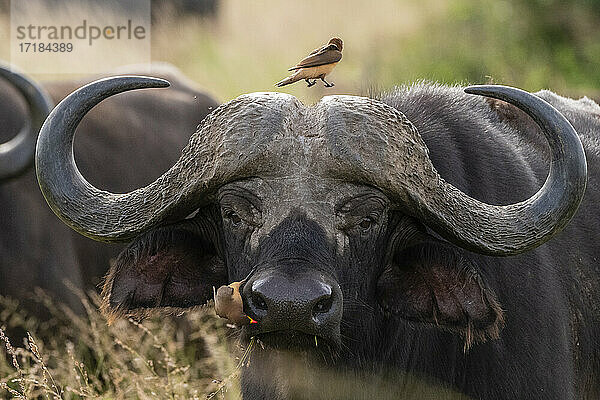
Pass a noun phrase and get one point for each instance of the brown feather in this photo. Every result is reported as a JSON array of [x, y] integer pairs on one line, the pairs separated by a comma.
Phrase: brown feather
[[325, 55], [318, 49], [229, 305]]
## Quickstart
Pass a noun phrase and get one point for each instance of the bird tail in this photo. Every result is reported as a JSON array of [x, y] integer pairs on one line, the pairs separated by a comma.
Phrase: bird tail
[[288, 80]]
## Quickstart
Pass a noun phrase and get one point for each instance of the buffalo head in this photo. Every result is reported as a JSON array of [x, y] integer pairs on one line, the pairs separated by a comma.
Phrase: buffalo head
[[332, 215]]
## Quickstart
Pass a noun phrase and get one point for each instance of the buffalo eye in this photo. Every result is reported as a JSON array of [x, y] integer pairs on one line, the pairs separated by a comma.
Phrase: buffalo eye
[[362, 213], [367, 223], [232, 217]]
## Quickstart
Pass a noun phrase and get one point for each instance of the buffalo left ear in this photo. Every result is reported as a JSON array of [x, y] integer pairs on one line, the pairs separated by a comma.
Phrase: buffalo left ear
[[168, 267], [436, 284]]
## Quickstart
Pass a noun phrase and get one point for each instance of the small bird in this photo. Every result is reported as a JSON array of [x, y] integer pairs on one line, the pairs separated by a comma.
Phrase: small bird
[[229, 305], [317, 65]]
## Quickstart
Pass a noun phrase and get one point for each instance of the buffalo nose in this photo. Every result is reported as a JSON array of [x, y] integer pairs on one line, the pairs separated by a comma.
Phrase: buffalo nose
[[308, 304]]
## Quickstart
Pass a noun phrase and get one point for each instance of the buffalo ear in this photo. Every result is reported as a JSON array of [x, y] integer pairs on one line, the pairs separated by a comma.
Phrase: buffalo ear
[[434, 283], [168, 267]]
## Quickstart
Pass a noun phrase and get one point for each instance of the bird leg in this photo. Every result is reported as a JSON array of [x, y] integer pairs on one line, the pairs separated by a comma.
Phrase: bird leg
[[327, 84], [310, 83]]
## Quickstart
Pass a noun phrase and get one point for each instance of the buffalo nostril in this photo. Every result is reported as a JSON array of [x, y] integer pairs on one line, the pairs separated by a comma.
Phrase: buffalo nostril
[[322, 306], [259, 301]]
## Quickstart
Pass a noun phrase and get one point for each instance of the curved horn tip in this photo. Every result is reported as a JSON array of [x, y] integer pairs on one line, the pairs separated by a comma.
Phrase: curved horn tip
[[486, 90], [146, 81], [60, 181]]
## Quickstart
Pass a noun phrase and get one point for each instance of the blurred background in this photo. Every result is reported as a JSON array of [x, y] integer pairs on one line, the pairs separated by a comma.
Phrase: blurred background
[[232, 47]]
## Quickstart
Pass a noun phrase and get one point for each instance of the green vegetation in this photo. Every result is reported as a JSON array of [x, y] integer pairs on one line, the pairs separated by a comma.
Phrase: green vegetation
[[531, 44]]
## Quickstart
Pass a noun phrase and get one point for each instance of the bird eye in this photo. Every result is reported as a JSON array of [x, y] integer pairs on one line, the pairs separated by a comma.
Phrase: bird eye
[[366, 223], [233, 217]]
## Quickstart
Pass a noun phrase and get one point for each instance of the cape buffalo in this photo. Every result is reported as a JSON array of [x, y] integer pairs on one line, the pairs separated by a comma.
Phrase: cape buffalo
[[385, 239], [124, 144]]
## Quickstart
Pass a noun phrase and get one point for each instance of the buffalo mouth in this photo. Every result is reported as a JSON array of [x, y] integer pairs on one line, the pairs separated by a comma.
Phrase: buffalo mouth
[[295, 343]]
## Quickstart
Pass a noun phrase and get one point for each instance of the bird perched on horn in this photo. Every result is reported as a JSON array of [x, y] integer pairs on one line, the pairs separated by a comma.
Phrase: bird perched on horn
[[317, 65]]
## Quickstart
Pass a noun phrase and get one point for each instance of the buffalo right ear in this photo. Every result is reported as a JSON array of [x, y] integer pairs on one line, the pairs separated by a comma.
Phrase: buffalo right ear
[[172, 266], [438, 284]]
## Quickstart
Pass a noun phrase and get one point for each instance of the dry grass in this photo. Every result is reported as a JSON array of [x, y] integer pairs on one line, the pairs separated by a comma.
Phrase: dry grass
[[77, 357], [192, 356]]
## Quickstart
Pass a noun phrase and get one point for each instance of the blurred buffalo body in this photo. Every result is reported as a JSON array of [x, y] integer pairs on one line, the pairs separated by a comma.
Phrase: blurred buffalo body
[[125, 143]]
